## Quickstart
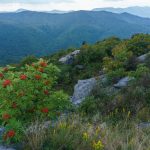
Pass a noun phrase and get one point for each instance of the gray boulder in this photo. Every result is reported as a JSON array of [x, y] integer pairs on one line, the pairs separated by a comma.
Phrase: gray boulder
[[123, 82], [144, 125], [80, 67], [83, 89], [68, 59], [103, 79], [2, 130], [5, 148], [142, 58]]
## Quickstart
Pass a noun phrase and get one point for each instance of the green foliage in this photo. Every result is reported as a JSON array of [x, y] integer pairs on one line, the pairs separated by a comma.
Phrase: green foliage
[[139, 44], [134, 98], [99, 101], [140, 71], [115, 66], [144, 114], [96, 53], [27, 95], [28, 60]]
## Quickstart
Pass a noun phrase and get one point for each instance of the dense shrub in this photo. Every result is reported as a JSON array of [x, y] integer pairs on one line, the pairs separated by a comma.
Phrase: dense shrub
[[28, 60], [139, 44], [27, 95]]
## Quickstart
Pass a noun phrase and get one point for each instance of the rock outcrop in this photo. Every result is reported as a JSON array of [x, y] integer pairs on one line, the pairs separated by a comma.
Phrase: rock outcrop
[[142, 58], [80, 67], [68, 59], [144, 125], [123, 82], [2, 130], [5, 148], [83, 89]]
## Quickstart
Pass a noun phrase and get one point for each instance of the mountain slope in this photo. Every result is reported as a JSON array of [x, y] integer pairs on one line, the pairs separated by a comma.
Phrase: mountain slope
[[36, 33], [139, 11]]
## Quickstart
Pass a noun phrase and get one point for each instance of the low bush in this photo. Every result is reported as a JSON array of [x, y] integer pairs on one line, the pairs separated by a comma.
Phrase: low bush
[[29, 94]]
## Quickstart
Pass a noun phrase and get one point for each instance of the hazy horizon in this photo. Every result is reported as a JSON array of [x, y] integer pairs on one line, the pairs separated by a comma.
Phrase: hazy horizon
[[65, 5]]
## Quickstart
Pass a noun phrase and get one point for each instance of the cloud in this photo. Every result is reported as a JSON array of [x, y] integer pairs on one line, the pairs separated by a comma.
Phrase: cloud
[[113, 0], [38, 5], [34, 1]]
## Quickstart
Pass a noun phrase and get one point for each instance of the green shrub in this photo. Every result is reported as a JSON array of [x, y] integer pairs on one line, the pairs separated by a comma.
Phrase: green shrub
[[116, 66], [99, 101], [28, 94], [28, 60], [139, 44], [141, 70], [144, 114]]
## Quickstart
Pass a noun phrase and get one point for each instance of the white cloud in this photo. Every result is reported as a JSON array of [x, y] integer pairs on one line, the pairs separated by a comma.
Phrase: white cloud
[[33, 1], [68, 4]]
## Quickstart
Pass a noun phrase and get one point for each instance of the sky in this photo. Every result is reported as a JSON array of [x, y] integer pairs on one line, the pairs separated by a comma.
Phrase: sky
[[45, 5]]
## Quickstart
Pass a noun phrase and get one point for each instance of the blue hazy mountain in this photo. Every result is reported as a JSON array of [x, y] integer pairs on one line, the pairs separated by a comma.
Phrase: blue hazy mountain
[[139, 11], [38, 33]]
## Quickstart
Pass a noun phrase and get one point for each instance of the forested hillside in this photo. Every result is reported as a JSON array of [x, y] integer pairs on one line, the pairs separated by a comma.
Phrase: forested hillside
[[34, 33]]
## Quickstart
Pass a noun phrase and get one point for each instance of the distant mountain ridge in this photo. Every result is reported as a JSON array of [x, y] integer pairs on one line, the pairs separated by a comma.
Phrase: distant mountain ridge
[[51, 11], [139, 11], [135, 10], [38, 33]]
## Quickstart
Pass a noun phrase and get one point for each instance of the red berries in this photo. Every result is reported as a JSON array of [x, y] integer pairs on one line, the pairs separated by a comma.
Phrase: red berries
[[44, 110], [6, 83], [14, 105], [37, 77], [5, 69], [46, 92], [1, 75], [6, 116], [23, 77], [47, 82], [11, 133], [41, 70], [32, 65], [43, 64]]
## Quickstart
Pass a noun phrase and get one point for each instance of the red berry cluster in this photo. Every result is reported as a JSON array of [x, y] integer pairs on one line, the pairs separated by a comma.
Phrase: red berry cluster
[[44, 110], [37, 77], [6, 83], [6, 116], [9, 134], [1, 75], [23, 77], [43, 64]]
